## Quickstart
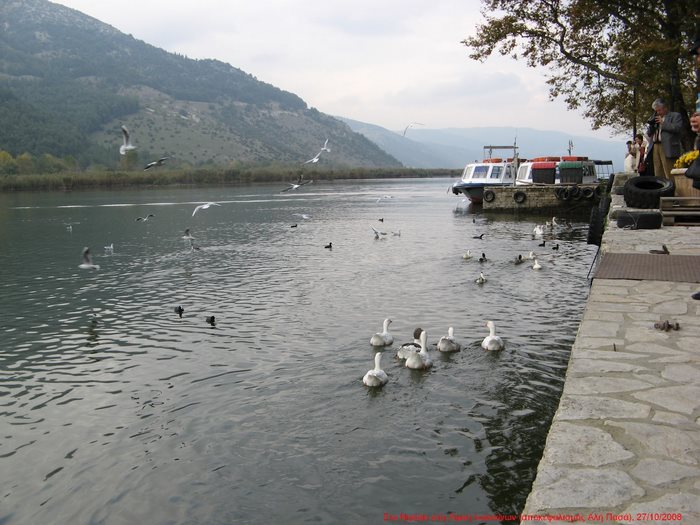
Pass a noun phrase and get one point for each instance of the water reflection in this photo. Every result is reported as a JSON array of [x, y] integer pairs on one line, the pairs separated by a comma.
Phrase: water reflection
[[141, 412]]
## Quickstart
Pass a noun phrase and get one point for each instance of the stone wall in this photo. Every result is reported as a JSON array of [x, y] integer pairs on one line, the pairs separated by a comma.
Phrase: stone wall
[[536, 197]]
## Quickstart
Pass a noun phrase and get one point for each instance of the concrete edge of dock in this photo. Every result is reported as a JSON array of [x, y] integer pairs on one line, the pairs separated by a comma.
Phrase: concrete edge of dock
[[624, 445]]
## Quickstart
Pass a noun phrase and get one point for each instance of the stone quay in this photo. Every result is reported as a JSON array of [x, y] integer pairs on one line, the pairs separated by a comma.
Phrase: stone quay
[[624, 445]]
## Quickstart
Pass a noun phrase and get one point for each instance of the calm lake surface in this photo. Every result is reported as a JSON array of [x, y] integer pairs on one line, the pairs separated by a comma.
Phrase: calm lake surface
[[113, 410]]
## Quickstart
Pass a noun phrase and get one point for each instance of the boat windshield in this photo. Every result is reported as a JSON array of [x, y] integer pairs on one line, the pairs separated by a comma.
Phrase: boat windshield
[[496, 172]]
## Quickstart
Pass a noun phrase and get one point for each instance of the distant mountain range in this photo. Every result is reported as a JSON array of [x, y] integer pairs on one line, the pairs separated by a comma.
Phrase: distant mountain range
[[455, 147]]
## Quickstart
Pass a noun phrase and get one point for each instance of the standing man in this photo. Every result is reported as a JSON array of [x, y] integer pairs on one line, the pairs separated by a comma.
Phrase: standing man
[[665, 134], [695, 117]]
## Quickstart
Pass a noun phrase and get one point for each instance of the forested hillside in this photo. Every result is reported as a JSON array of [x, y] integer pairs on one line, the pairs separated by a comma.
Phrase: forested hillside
[[68, 82]]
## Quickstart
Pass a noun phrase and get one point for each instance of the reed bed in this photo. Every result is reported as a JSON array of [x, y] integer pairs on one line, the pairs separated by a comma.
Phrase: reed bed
[[67, 181]]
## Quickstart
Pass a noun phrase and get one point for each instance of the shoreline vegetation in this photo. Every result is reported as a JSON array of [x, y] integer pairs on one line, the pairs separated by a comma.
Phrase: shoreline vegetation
[[84, 180]]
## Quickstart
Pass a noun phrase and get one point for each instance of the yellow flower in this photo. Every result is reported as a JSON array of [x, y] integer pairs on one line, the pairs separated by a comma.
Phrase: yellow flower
[[687, 159]]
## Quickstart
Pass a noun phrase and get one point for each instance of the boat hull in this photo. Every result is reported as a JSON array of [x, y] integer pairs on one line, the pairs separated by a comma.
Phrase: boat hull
[[473, 192]]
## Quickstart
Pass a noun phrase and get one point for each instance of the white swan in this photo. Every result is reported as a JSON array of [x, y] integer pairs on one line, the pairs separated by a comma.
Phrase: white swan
[[492, 342], [531, 255], [481, 279], [376, 376], [383, 338], [467, 255], [407, 349], [447, 342], [538, 231], [537, 265], [419, 360]]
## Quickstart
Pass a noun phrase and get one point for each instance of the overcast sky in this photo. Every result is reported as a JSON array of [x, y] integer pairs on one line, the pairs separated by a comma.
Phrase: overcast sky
[[385, 62]]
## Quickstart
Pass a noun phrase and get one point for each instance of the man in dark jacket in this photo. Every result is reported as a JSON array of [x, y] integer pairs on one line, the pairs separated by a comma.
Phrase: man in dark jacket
[[665, 135]]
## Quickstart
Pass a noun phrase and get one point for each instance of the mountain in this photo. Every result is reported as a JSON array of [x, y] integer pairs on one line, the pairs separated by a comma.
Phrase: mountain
[[455, 147], [69, 81]]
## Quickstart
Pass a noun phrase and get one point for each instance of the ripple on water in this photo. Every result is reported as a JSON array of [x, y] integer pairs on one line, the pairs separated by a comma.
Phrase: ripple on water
[[264, 414]]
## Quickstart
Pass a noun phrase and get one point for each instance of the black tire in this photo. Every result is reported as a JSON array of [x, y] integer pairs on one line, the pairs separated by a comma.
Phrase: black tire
[[595, 227], [575, 192], [565, 194], [645, 192], [489, 196], [611, 179], [587, 193], [559, 193], [519, 197]]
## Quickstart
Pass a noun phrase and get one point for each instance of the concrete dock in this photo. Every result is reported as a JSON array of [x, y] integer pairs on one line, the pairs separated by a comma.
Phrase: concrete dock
[[624, 445]]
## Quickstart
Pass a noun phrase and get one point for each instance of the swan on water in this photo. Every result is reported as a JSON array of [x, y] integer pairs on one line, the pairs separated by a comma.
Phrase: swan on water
[[376, 377], [407, 349], [536, 265], [419, 360], [481, 279], [383, 338], [531, 255], [447, 342], [492, 342], [467, 255]]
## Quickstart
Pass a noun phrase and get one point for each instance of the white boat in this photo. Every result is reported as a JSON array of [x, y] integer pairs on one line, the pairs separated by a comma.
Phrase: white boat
[[492, 171]]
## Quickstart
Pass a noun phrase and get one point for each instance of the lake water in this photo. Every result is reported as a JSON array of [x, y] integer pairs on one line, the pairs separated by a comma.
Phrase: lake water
[[116, 411]]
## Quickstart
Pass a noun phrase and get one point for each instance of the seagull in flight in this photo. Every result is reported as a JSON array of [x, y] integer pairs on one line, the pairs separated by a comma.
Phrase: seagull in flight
[[144, 219], [315, 159], [298, 184], [87, 261], [158, 162], [204, 207], [377, 232], [302, 215], [127, 146], [410, 126], [325, 147]]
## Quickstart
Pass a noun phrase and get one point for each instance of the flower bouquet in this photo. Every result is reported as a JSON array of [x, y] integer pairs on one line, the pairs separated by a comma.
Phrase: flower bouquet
[[685, 160]]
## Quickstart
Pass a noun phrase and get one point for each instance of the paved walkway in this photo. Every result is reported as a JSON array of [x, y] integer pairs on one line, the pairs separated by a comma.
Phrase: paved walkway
[[624, 445]]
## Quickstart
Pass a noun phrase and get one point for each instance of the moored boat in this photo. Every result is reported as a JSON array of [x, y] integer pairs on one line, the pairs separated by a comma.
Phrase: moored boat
[[491, 171]]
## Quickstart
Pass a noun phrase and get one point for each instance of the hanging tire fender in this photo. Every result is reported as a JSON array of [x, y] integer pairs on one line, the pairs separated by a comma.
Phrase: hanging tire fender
[[489, 195], [587, 193], [519, 197]]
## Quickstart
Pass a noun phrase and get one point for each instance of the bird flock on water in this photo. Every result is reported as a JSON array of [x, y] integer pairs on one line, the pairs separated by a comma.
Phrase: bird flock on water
[[415, 354]]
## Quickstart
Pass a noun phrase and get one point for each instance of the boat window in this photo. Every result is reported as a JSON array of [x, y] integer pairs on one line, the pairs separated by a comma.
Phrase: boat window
[[496, 172], [480, 172], [509, 172], [467, 173], [523, 172]]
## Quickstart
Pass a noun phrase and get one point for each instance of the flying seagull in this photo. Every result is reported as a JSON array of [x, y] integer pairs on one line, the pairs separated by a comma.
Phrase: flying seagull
[[298, 184], [325, 147], [127, 146], [204, 207], [145, 218], [410, 126], [158, 162], [87, 261], [315, 159]]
